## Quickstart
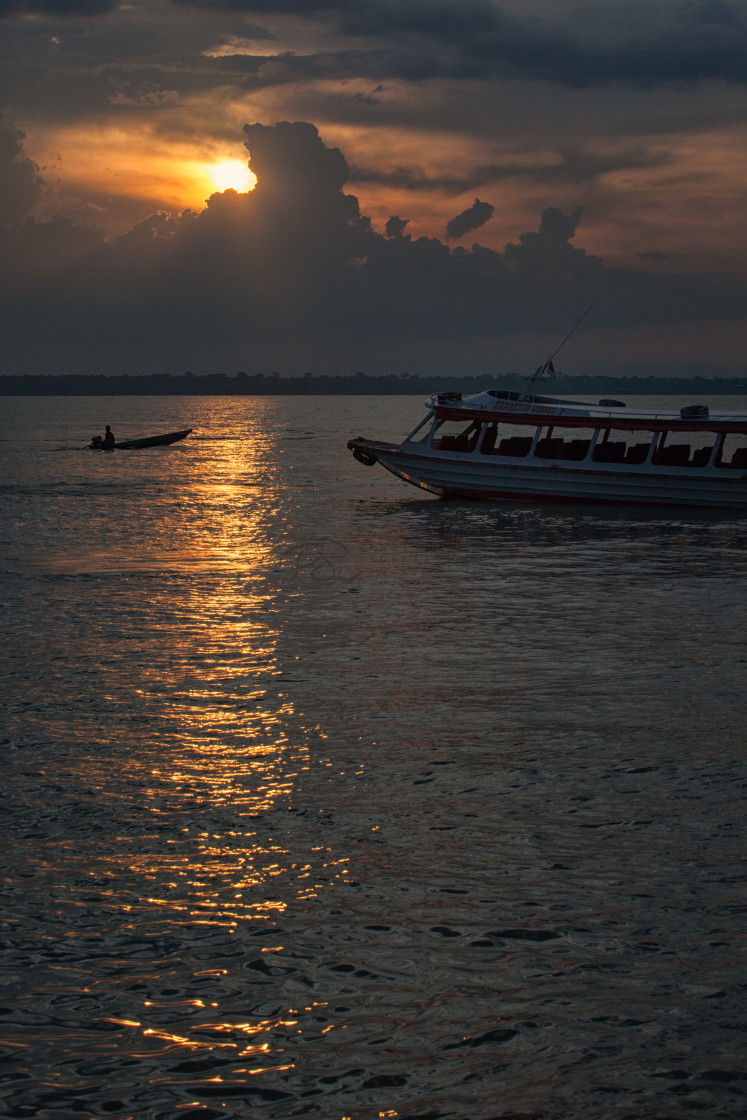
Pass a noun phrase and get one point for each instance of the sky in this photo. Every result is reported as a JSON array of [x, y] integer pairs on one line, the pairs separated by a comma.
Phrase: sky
[[380, 185]]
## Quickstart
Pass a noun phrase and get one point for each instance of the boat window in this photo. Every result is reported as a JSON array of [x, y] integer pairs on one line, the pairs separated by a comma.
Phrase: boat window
[[504, 394], [453, 435], [734, 452], [422, 433], [514, 439], [702, 450], [638, 447], [558, 442], [688, 449], [623, 447]]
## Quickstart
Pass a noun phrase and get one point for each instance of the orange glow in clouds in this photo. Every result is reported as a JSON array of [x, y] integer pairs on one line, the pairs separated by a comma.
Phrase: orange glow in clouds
[[112, 164]]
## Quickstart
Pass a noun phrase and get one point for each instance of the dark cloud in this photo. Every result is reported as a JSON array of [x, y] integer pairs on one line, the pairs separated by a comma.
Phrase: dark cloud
[[282, 7], [292, 276], [50, 72], [414, 178], [475, 216], [631, 43], [642, 45], [20, 182], [291, 160], [60, 9], [395, 226], [573, 164], [550, 250]]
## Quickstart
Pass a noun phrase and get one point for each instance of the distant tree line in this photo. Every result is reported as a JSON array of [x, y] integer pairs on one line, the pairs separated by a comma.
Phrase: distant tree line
[[260, 384]]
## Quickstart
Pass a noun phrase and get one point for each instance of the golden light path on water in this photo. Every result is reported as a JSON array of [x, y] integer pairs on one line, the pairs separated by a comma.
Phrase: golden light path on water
[[234, 751]]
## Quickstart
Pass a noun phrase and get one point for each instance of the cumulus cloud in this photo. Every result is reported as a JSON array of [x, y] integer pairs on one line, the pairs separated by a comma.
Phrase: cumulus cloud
[[475, 216], [395, 226], [550, 246], [20, 182], [293, 276]]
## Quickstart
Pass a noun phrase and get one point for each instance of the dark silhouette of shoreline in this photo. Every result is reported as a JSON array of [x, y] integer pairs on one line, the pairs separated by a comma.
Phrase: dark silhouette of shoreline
[[358, 384]]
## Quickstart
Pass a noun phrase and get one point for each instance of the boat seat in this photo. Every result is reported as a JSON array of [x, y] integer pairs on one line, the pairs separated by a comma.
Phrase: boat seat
[[701, 455], [677, 455], [549, 449], [576, 449], [515, 445], [609, 452], [739, 458], [637, 453]]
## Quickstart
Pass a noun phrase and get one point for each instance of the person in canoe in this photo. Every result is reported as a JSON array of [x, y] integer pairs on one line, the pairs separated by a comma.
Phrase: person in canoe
[[103, 443]]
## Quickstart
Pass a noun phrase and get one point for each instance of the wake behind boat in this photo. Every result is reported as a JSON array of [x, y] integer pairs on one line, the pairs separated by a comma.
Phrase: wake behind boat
[[502, 445], [97, 443]]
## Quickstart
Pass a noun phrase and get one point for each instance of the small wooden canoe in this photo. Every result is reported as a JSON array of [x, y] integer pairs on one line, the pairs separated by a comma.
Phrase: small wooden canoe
[[146, 441], [153, 441]]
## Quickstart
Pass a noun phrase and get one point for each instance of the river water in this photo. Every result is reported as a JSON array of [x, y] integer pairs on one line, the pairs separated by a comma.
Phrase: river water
[[322, 797]]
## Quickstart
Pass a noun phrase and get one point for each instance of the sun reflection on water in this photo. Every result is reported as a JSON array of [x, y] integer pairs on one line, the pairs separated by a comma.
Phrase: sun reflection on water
[[216, 847], [232, 754]]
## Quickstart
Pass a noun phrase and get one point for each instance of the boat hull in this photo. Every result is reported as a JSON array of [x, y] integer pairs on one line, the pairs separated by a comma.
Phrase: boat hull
[[481, 477], [152, 441]]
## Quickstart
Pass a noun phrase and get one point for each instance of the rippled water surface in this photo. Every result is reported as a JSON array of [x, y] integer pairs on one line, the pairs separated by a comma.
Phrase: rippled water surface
[[322, 797]]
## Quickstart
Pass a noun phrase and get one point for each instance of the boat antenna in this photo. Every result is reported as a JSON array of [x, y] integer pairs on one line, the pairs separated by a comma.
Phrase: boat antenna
[[541, 369]]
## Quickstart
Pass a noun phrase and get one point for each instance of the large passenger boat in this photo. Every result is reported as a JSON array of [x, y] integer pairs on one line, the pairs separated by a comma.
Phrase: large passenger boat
[[502, 445]]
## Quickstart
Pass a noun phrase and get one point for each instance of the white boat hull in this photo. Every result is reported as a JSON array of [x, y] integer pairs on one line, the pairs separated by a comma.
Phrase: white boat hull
[[477, 476]]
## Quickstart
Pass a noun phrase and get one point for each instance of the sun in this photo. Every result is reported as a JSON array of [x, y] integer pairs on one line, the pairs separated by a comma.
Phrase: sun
[[231, 174]]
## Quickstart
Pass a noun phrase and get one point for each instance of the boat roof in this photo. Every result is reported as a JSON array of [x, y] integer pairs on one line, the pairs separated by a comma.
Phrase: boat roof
[[518, 408]]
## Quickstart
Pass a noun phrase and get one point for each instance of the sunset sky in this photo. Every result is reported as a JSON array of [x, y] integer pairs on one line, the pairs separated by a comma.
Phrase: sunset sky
[[411, 185]]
